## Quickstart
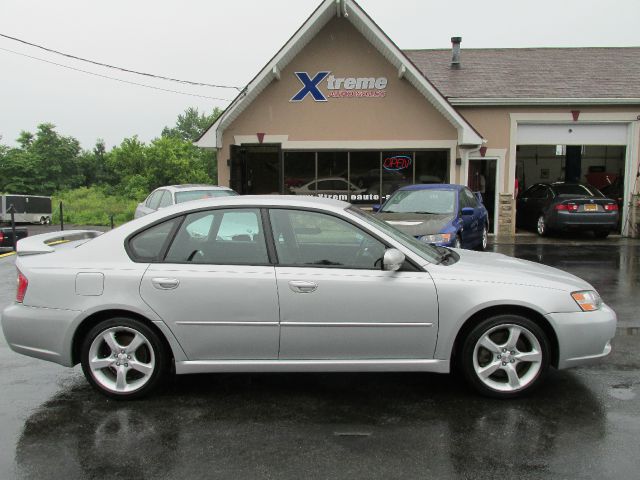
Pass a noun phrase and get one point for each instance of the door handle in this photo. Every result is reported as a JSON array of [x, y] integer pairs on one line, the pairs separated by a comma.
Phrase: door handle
[[165, 283], [300, 286]]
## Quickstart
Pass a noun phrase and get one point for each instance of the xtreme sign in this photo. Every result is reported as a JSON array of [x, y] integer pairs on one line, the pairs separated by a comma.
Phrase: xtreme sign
[[339, 87]]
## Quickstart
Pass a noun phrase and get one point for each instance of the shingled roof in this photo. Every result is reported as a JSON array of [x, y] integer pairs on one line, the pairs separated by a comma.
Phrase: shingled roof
[[543, 73]]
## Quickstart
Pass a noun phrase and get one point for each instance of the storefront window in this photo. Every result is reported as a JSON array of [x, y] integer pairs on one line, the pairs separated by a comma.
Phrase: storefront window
[[361, 177], [432, 166], [333, 171], [300, 173], [365, 176], [397, 171]]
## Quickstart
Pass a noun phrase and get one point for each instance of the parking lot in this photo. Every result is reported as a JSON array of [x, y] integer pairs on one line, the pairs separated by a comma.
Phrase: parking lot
[[582, 423]]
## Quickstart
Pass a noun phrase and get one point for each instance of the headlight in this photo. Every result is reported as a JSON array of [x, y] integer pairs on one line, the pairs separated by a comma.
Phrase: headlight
[[437, 238], [587, 300]]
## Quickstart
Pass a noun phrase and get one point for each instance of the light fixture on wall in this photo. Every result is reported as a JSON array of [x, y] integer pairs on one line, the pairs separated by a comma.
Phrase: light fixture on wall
[[458, 161]]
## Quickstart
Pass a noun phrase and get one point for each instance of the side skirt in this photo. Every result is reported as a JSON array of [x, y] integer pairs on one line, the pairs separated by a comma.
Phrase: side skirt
[[391, 365]]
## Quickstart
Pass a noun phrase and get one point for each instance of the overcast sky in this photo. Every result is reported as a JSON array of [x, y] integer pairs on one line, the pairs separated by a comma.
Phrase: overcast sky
[[227, 42]]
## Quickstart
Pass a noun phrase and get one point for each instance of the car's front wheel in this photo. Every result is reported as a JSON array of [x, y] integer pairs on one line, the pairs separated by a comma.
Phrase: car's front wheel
[[601, 233], [505, 356], [484, 239], [123, 358]]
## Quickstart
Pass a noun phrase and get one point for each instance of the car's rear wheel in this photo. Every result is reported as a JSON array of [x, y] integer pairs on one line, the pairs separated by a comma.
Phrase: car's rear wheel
[[123, 358], [541, 226], [601, 233], [43, 220], [505, 356]]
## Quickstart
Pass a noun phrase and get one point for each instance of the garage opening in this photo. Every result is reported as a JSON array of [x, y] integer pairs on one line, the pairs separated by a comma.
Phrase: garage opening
[[600, 166]]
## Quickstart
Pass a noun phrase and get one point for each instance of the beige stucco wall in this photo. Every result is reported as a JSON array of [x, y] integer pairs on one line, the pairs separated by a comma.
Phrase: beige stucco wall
[[403, 114], [494, 124]]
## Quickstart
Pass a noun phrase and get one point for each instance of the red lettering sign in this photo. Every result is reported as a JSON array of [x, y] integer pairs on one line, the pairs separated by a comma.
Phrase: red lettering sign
[[398, 162]]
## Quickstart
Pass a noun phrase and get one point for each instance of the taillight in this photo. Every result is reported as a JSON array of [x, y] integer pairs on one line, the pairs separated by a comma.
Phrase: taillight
[[571, 207], [1, 237], [23, 283], [613, 207]]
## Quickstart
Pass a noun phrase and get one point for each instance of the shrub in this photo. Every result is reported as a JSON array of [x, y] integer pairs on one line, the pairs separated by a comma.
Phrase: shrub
[[92, 206]]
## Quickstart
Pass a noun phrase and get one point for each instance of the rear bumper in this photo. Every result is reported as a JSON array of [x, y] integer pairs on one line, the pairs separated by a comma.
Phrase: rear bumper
[[583, 337], [39, 332], [586, 221]]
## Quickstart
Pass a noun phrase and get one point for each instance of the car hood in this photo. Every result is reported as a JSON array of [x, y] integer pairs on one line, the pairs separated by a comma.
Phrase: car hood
[[502, 269], [415, 224]]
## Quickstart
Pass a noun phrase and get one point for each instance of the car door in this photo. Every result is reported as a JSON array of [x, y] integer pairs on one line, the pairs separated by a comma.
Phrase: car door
[[470, 233], [336, 302], [215, 287], [537, 203], [527, 204]]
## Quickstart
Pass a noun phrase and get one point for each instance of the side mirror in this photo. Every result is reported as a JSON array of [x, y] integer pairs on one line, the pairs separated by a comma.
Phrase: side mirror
[[392, 260], [466, 211], [376, 207]]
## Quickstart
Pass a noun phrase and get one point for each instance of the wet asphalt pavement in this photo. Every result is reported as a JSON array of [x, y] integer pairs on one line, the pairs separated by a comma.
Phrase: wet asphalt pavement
[[582, 423]]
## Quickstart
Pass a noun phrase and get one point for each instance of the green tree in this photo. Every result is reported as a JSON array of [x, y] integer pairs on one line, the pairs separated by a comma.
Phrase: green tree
[[190, 125]]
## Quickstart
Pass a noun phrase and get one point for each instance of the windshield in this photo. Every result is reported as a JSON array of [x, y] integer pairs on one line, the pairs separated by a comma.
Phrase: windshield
[[182, 197], [440, 202], [424, 250]]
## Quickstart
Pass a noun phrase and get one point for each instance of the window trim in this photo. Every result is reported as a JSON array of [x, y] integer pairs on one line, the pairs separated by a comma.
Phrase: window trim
[[174, 232], [409, 265]]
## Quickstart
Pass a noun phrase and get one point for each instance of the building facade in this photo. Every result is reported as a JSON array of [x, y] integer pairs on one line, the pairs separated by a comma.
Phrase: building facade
[[341, 111]]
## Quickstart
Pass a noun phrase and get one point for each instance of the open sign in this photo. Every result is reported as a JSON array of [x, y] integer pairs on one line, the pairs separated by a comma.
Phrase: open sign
[[398, 162]]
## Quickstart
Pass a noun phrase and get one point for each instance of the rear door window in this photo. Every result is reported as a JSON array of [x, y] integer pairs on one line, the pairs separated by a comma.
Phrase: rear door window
[[220, 237]]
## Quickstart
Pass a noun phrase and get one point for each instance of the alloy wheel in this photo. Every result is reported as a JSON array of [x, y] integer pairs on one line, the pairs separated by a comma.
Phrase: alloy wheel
[[541, 226], [507, 358], [121, 359]]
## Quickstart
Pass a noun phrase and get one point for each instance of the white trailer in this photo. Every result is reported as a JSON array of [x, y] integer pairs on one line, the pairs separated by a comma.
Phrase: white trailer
[[28, 208]]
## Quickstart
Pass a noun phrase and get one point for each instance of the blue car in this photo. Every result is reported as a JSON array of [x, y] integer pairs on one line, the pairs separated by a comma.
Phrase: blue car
[[441, 214]]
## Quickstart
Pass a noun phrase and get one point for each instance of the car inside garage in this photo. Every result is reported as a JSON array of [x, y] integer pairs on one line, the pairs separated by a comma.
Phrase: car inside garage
[[591, 154]]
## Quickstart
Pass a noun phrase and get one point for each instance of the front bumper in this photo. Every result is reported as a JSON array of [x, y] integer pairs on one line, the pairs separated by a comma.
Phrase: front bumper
[[583, 337], [42, 333]]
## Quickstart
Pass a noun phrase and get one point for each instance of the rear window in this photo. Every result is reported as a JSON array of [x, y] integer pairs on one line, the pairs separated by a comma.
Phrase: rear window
[[577, 190], [182, 197]]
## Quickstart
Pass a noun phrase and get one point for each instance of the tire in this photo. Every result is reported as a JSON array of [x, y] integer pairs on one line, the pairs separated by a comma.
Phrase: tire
[[484, 239], [498, 369], [43, 221], [457, 243], [118, 369], [541, 226], [601, 233]]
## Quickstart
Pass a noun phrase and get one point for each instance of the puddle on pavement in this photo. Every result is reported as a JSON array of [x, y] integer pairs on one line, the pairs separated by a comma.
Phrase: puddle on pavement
[[622, 392]]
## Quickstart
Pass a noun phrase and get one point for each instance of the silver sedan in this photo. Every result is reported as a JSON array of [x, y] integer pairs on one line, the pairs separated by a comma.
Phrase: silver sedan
[[257, 284]]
